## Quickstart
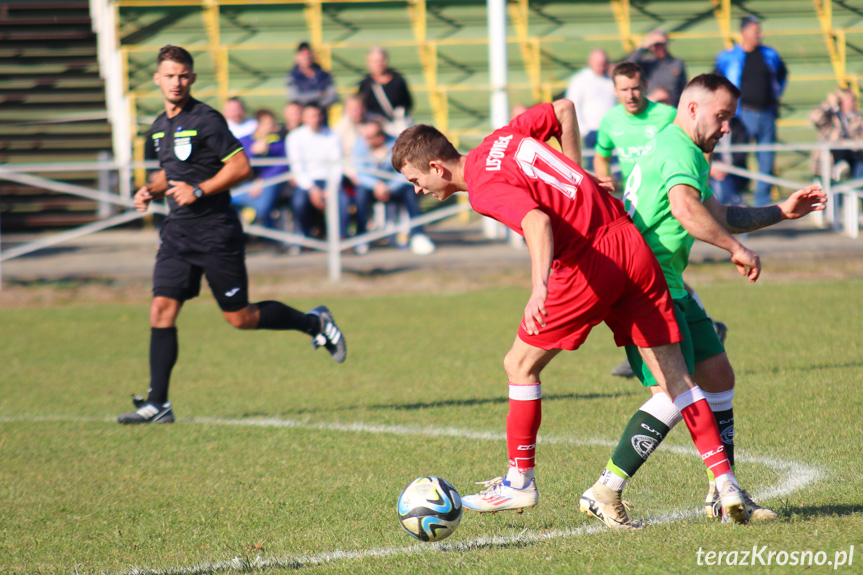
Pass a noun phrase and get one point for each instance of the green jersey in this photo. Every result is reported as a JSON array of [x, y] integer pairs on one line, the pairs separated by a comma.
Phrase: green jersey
[[631, 136], [674, 159]]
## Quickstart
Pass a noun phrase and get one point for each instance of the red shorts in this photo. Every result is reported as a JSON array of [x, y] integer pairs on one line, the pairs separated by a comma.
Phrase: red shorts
[[616, 280]]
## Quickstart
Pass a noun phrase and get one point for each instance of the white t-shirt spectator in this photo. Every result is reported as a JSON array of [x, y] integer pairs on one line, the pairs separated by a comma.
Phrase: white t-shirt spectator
[[593, 96], [313, 155]]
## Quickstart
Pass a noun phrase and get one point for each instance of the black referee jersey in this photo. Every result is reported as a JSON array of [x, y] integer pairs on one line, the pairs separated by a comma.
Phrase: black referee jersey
[[192, 147]]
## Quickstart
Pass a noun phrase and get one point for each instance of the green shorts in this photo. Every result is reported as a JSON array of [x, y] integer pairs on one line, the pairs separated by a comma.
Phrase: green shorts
[[699, 342]]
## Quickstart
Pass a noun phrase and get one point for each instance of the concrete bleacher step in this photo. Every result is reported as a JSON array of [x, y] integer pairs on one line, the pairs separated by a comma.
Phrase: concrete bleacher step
[[52, 107]]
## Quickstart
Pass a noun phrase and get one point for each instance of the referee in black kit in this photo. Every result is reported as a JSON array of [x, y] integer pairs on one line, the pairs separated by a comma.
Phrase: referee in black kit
[[200, 161]]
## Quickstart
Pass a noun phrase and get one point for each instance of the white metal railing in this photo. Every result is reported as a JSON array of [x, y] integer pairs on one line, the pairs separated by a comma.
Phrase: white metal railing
[[333, 245], [842, 214]]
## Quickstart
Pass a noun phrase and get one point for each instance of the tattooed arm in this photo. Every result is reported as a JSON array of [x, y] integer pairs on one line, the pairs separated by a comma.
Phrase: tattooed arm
[[740, 219]]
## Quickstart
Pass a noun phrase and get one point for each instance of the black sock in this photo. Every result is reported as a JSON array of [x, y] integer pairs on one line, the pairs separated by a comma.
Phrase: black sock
[[725, 422], [163, 355], [276, 315]]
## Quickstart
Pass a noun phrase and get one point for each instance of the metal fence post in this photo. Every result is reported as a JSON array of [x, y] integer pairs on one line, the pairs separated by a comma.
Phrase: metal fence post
[[104, 183], [826, 185], [334, 238]]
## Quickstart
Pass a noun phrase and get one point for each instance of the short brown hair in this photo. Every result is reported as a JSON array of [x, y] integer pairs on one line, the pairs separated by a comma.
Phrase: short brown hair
[[711, 83], [419, 145], [628, 70], [175, 54]]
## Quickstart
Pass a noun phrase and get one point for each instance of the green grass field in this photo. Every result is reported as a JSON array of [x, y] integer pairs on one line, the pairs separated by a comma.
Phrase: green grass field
[[281, 460]]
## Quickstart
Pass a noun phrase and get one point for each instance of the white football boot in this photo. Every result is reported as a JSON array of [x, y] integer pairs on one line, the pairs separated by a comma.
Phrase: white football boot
[[732, 503], [713, 508], [605, 504], [499, 495]]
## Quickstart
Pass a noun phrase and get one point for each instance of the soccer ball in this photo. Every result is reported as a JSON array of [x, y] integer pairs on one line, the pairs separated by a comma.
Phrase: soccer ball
[[430, 508]]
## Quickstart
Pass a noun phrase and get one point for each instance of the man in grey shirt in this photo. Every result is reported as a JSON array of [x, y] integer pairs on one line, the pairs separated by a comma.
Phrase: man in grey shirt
[[661, 69]]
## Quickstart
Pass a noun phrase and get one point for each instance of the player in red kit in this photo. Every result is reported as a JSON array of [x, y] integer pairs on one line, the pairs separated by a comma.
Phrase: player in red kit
[[588, 264]]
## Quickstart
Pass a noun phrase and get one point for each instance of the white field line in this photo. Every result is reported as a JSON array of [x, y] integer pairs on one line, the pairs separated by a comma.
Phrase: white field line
[[794, 476]]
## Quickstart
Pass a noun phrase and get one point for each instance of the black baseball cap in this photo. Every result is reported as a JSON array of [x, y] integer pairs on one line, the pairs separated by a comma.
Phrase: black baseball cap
[[303, 46], [747, 20]]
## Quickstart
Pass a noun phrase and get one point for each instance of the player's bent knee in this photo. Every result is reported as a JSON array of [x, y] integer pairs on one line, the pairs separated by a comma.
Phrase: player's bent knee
[[163, 312], [242, 319]]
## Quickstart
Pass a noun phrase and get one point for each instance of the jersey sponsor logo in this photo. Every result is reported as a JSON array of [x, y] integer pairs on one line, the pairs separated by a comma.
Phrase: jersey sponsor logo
[[233, 292], [633, 152], [183, 143], [644, 445], [492, 161]]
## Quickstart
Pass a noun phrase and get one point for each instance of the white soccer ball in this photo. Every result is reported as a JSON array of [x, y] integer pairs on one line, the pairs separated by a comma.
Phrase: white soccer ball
[[430, 508]]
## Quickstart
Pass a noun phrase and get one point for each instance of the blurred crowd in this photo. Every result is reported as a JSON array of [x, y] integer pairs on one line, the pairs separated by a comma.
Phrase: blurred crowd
[[371, 194], [351, 158], [603, 89]]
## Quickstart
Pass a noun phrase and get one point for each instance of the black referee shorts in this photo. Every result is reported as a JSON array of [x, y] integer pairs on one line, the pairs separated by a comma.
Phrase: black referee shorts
[[211, 246]]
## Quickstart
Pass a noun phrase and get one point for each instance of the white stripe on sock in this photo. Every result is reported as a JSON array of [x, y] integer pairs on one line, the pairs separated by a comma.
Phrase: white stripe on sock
[[662, 408], [688, 397], [525, 392], [722, 401]]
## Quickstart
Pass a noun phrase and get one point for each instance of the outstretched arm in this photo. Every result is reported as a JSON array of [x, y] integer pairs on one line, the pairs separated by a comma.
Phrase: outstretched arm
[[740, 219], [570, 136], [702, 224], [540, 243]]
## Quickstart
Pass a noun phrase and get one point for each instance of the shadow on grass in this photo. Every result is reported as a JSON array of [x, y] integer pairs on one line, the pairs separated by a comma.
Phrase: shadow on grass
[[378, 271], [493, 400], [803, 368], [65, 282], [821, 511], [447, 403]]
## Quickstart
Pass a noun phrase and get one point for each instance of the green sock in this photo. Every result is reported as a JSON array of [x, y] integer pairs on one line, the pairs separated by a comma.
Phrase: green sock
[[642, 435]]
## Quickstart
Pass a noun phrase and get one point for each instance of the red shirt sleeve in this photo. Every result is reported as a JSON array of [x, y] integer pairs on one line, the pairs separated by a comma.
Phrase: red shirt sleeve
[[539, 122]]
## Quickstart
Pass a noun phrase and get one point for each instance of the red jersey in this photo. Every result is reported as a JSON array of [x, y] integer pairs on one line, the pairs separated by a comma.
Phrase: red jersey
[[513, 172]]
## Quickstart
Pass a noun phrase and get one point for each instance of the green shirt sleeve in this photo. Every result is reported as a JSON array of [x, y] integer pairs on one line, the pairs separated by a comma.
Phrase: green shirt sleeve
[[687, 168], [604, 145]]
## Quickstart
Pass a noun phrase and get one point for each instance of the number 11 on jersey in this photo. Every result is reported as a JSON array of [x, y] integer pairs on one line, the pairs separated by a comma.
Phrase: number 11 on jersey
[[564, 177]]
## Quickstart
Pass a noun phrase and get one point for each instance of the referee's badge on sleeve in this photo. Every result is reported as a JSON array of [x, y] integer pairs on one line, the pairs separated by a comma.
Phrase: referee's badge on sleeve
[[183, 143]]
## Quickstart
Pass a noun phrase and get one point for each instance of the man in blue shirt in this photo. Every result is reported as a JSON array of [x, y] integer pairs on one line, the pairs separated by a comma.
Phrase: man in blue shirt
[[760, 74]]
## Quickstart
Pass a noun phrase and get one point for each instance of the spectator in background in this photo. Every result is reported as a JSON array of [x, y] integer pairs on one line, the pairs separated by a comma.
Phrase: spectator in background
[[592, 92], [238, 124], [661, 69], [258, 203], [385, 92], [760, 74], [348, 126], [293, 117], [308, 83], [660, 95], [838, 119], [315, 152], [376, 180]]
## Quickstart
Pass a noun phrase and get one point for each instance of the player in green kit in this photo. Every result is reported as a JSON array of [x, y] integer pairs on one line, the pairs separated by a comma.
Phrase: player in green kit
[[629, 128], [671, 204]]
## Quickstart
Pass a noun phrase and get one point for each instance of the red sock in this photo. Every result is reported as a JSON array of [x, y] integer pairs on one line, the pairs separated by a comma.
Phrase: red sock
[[699, 419], [522, 424]]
